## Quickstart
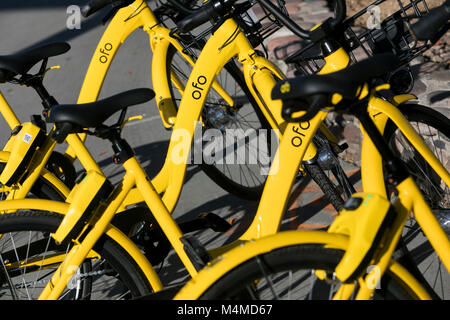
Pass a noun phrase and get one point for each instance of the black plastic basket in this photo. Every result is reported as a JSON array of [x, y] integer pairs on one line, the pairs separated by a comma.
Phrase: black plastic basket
[[258, 24], [390, 35]]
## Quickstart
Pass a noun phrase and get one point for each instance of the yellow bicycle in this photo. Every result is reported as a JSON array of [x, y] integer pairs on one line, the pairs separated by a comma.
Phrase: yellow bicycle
[[355, 257], [168, 182], [230, 105]]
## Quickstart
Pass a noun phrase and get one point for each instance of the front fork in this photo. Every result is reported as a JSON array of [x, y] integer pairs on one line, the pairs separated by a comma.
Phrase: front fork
[[160, 40]]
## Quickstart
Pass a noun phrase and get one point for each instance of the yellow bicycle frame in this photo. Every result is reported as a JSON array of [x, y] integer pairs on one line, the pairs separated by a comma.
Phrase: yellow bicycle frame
[[189, 112], [257, 71], [409, 199]]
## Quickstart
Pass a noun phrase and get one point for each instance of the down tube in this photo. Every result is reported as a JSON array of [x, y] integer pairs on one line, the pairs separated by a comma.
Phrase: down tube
[[216, 53], [296, 141], [115, 34]]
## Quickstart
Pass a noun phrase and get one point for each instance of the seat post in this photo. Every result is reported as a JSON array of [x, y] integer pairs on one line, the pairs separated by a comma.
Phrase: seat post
[[36, 82], [122, 150], [48, 101]]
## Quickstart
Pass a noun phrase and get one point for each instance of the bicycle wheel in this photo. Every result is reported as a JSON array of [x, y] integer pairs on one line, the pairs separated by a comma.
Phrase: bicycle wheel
[[62, 167], [288, 273], [42, 189], [29, 256], [242, 171], [434, 128]]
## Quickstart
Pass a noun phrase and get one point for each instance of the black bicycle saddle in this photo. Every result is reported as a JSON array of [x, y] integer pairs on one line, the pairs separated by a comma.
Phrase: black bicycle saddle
[[92, 115]]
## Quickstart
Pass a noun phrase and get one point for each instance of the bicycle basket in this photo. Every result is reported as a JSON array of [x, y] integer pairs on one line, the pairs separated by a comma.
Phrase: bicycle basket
[[258, 24], [367, 33]]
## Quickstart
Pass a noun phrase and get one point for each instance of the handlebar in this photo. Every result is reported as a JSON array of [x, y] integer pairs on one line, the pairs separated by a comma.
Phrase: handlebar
[[428, 26], [183, 9], [217, 8], [95, 5]]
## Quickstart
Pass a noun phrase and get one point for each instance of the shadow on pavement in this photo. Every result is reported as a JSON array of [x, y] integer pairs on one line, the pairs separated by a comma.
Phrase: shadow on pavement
[[63, 35]]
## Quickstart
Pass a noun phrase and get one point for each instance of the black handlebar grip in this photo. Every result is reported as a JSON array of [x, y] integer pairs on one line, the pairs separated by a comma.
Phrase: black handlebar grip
[[180, 7], [428, 26], [94, 6], [199, 17]]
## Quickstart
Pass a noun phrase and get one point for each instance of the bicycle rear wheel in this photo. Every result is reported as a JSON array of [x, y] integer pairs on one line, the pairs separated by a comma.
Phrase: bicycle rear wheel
[[415, 249], [288, 273], [29, 256]]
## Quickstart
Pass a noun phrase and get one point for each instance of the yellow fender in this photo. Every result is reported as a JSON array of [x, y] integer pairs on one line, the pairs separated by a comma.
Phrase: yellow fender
[[233, 258], [112, 232]]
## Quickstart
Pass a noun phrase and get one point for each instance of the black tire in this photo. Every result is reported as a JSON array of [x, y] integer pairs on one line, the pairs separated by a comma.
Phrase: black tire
[[261, 277], [243, 180], [117, 274], [415, 251], [328, 188], [43, 189], [62, 168]]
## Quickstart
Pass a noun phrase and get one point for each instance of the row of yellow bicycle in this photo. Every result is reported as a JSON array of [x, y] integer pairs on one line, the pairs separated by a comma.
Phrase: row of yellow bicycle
[[69, 237]]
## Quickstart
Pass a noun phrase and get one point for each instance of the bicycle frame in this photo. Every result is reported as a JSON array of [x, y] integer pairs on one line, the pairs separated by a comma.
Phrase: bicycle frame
[[135, 175], [169, 180], [257, 72], [409, 199]]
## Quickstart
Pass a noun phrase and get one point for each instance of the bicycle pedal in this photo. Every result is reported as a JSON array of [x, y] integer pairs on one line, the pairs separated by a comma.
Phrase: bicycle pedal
[[196, 252], [205, 221], [215, 222], [343, 147]]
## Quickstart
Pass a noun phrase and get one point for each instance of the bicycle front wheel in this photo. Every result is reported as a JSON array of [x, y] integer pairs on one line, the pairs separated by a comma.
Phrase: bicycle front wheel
[[289, 273], [29, 257]]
